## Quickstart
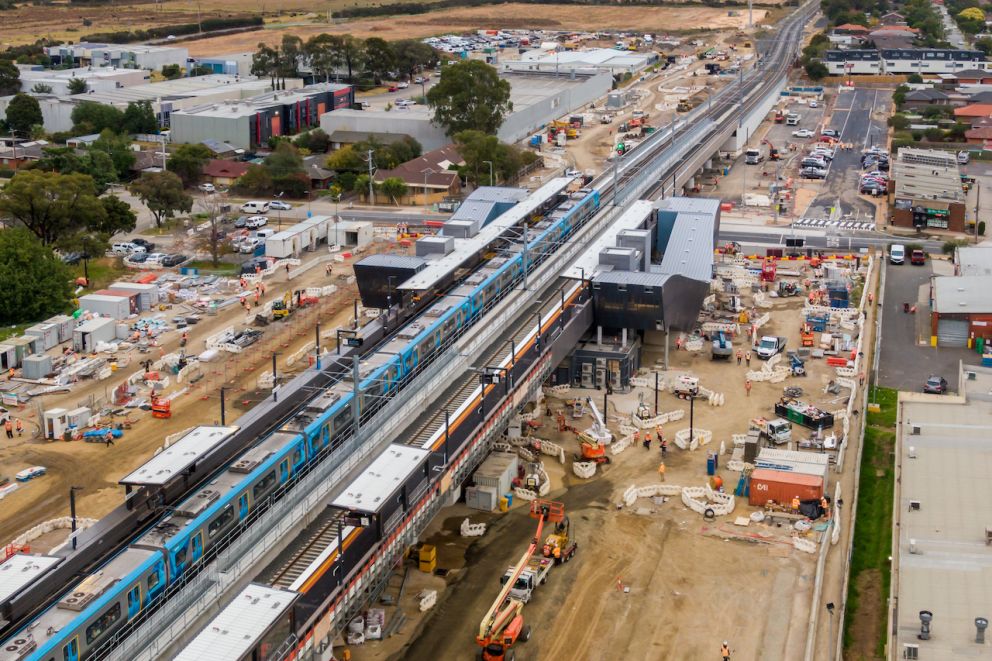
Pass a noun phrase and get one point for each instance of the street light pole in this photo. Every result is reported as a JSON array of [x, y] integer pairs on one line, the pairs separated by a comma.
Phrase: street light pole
[[492, 182], [72, 512]]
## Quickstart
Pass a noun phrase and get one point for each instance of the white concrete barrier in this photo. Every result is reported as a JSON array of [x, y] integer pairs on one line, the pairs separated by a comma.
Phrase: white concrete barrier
[[835, 532], [469, 529], [621, 444], [584, 469], [701, 499], [61, 523], [699, 437], [558, 391], [525, 494], [804, 545], [427, 599], [663, 419], [549, 448]]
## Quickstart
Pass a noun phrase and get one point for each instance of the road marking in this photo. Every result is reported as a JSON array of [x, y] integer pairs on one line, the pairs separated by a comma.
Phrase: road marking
[[871, 125]]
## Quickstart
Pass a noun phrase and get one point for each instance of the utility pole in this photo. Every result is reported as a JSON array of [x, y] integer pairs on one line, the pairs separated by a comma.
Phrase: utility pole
[[371, 174], [978, 205], [750, 22]]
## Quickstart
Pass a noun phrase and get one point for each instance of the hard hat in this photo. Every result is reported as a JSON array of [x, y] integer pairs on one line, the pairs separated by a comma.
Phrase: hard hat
[[725, 643]]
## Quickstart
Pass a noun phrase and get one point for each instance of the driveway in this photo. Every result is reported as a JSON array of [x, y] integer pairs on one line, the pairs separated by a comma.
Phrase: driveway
[[903, 363]]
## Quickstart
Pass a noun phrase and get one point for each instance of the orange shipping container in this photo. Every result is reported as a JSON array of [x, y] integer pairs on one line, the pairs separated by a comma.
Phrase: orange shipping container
[[783, 486]]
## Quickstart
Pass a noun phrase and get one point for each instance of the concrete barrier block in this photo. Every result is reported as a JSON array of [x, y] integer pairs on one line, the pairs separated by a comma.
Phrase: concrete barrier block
[[804, 545], [584, 469], [469, 529]]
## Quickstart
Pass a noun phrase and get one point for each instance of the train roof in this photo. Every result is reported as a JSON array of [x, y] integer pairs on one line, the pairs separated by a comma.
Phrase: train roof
[[19, 570], [180, 456], [465, 248], [83, 596], [235, 631], [215, 490], [385, 475]]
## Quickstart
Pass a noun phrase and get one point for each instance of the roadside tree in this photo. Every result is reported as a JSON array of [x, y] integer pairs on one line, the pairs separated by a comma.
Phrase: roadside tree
[[36, 284], [470, 95], [163, 194]]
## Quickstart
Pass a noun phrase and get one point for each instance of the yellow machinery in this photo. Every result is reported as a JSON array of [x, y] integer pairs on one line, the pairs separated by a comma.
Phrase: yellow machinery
[[282, 308]]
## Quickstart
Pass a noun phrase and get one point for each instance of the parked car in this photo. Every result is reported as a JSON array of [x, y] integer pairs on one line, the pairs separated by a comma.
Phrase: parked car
[[918, 258], [138, 257], [241, 222], [830, 133], [279, 205], [963, 157], [824, 152], [126, 248], [871, 188], [207, 188], [404, 103], [813, 173], [813, 162], [418, 80], [73, 258], [247, 245], [394, 88], [174, 260], [803, 133], [254, 207], [156, 258], [250, 266], [897, 254], [255, 222], [147, 245], [769, 346], [814, 104], [935, 385]]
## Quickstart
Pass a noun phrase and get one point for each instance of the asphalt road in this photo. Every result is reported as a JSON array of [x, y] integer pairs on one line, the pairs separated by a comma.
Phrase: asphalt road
[[853, 117], [818, 239], [903, 364]]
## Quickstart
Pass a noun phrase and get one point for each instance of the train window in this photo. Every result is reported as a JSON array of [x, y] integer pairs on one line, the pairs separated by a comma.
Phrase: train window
[[103, 623], [70, 652], [342, 419], [181, 555], [263, 486], [154, 580], [225, 517], [298, 455]]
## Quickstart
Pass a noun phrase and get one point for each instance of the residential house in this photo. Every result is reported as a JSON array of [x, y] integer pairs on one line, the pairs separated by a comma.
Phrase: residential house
[[320, 177], [147, 161], [223, 172], [978, 97], [892, 39], [981, 135], [222, 149], [973, 77], [893, 18], [19, 154], [972, 114], [851, 28], [929, 97], [428, 177]]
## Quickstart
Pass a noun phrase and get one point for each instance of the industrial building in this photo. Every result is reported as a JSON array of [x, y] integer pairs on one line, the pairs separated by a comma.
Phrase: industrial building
[[231, 64], [130, 56], [307, 235], [900, 61], [101, 79], [961, 311], [250, 123], [941, 524], [537, 99], [580, 61], [928, 190]]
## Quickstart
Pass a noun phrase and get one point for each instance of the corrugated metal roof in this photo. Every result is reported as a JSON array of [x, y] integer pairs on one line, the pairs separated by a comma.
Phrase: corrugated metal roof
[[497, 194], [394, 261], [974, 260], [652, 279], [962, 294], [690, 248]]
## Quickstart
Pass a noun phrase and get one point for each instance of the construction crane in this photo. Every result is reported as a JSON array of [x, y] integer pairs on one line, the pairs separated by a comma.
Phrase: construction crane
[[503, 624]]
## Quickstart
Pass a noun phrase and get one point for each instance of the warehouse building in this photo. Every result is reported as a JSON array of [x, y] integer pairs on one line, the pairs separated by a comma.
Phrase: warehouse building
[[129, 56], [973, 260], [231, 64], [928, 191], [537, 99], [961, 311], [903, 61], [97, 80], [580, 61], [250, 123]]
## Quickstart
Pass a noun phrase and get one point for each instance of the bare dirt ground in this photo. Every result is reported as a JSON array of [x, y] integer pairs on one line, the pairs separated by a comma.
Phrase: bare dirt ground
[[691, 583], [504, 16], [97, 468]]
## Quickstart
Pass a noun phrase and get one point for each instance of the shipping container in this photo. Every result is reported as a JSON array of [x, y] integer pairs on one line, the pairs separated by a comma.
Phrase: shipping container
[[115, 307], [497, 472], [37, 366], [46, 332], [65, 325], [782, 486], [149, 292], [133, 297], [87, 335]]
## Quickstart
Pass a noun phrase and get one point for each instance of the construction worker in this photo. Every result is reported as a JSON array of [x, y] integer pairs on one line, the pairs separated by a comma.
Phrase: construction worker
[[647, 440], [20, 427], [185, 339], [637, 437], [661, 471], [747, 358], [740, 356], [10, 373], [8, 426], [725, 651], [795, 503], [747, 387], [664, 447], [108, 438]]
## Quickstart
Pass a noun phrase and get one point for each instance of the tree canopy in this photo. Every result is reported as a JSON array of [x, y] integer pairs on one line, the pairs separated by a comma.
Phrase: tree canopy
[[77, 86], [139, 117], [36, 284], [93, 117], [470, 96], [118, 148], [54, 207], [10, 78], [477, 148], [188, 161], [23, 113], [163, 194]]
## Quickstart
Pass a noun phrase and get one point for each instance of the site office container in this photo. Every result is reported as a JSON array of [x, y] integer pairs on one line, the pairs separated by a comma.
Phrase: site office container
[[782, 486]]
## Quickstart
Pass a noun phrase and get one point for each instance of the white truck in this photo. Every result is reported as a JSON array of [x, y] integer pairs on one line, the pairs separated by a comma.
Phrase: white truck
[[754, 155], [792, 119], [769, 346], [534, 574], [777, 431]]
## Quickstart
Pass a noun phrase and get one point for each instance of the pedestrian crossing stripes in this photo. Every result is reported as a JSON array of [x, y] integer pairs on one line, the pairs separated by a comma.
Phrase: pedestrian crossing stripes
[[824, 223]]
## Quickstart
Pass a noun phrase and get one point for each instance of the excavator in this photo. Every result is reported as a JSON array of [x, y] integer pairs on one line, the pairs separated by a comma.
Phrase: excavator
[[503, 624]]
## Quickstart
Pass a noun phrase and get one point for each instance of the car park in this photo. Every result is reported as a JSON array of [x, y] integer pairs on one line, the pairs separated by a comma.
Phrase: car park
[[254, 222], [935, 385], [803, 133], [279, 205], [208, 188]]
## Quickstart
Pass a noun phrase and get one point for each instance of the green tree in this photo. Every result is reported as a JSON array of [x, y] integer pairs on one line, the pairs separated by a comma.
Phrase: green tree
[[413, 56], [10, 78], [285, 160], [97, 164], [361, 185], [957, 132], [345, 159], [934, 134], [899, 95], [256, 181], [93, 117], [172, 71], [118, 148], [41, 88], [477, 148], [914, 78], [322, 54], [393, 187], [316, 141], [77, 86], [899, 122], [816, 70], [379, 58], [120, 216], [349, 51], [163, 194], [52, 206], [265, 63], [290, 55], [188, 161], [139, 117], [36, 284], [23, 112], [470, 95], [984, 44]]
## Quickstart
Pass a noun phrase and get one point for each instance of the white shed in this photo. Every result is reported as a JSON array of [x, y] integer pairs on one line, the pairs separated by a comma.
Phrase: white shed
[[116, 307], [149, 293]]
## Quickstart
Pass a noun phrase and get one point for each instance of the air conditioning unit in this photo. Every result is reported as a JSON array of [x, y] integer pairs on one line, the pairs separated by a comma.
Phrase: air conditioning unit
[[915, 430], [911, 651], [20, 648]]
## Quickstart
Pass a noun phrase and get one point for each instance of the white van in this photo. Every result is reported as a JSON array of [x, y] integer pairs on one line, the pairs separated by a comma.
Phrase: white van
[[963, 157], [126, 248], [897, 254], [255, 207]]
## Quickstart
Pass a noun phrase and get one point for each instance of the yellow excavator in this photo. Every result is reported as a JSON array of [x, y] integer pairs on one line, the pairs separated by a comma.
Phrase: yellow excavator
[[503, 624], [281, 308]]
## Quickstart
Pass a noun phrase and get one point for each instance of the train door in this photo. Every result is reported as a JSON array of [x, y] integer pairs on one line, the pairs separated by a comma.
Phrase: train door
[[243, 506], [197, 546], [71, 651], [133, 601], [283, 472]]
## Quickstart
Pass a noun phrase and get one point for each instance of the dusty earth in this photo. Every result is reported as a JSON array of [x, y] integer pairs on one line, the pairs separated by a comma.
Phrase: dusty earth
[[97, 468], [691, 583], [505, 16]]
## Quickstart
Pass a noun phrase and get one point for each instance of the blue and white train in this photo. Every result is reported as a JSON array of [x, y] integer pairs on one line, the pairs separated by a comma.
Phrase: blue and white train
[[86, 617]]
